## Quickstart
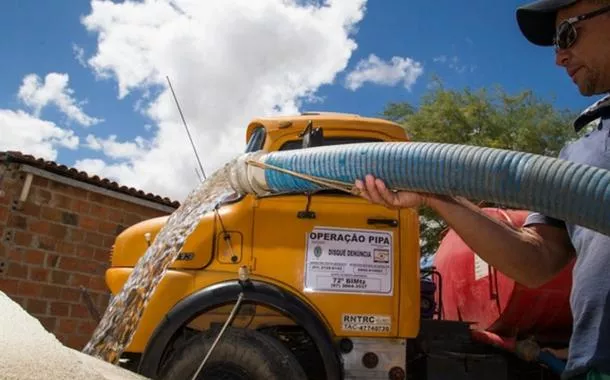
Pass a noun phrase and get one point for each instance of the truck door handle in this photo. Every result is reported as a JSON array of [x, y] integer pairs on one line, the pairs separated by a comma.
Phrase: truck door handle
[[388, 222]]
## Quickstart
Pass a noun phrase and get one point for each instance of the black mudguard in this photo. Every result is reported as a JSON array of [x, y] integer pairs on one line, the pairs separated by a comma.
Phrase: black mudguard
[[226, 293]]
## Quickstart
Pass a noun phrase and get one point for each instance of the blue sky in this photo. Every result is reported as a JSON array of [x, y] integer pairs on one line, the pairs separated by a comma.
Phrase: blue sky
[[83, 83]]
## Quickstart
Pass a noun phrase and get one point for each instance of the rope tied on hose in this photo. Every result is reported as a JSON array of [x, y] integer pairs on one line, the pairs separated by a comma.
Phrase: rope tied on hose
[[330, 183]]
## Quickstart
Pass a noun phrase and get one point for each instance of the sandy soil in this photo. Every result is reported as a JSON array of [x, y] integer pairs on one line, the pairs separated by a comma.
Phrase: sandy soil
[[28, 351]]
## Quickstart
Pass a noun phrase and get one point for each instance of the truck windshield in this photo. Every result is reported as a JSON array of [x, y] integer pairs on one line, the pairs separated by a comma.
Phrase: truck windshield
[[257, 140], [297, 144]]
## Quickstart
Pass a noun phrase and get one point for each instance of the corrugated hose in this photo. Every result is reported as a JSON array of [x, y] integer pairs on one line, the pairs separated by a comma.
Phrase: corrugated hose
[[573, 192]]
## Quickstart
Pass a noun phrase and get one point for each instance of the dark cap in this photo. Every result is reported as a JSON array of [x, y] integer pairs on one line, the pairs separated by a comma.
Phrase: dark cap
[[537, 20]]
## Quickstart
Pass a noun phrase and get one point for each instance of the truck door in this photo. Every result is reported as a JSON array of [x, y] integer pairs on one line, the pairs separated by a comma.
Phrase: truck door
[[340, 251]]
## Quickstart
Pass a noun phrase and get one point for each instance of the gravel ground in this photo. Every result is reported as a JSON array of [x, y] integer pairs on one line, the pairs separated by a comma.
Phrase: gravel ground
[[28, 351]]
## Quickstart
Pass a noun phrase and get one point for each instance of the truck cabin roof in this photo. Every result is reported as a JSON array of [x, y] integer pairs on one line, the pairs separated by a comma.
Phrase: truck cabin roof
[[334, 125]]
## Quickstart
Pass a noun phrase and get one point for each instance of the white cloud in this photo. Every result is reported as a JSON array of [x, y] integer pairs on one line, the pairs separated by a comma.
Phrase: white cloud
[[23, 132], [118, 150], [454, 63], [54, 91], [96, 165], [79, 54], [26, 132], [375, 70], [228, 61]]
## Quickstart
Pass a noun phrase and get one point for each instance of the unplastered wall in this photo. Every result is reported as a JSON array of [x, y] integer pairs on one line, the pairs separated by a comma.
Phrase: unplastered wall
[[56, 243]]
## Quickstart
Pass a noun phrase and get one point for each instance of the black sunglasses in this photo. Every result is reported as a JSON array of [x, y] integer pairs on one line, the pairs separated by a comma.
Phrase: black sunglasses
[[566, 31]]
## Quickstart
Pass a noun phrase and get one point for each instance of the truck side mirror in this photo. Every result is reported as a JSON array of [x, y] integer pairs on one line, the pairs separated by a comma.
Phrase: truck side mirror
[[312, 137]]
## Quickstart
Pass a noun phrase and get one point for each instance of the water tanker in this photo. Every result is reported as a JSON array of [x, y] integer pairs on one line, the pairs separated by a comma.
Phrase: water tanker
[[474, 291]]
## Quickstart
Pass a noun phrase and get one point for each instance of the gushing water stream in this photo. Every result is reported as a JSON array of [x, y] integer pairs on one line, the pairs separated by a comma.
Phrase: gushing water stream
[[116, 329]]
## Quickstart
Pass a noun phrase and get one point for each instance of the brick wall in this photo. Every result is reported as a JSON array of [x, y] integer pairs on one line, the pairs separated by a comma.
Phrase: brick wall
[[55, 242]]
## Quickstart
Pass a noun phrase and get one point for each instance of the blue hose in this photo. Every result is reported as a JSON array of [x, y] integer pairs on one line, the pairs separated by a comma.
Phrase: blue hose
[[576, 193], [554, 363]]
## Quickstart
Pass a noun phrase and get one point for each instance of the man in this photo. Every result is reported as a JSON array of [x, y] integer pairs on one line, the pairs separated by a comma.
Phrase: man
[[532, 255]]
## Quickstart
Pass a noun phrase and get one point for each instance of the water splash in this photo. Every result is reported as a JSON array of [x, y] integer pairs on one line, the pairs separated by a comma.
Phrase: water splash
[[116, 329]]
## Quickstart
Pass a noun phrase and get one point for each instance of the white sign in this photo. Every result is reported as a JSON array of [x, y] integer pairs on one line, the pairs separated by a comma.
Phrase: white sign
[[366, 322], [349, 261], [481, 268]]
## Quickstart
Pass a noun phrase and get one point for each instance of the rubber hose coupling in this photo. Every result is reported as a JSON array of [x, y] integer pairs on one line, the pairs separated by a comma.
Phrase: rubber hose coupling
[[245, 178]]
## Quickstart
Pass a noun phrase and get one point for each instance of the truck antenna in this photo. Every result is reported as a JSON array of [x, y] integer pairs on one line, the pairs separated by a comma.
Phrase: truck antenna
[[198, 175], [185, 126]]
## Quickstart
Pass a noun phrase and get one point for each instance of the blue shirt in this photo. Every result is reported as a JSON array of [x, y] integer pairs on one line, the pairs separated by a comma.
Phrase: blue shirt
[[590, 294]]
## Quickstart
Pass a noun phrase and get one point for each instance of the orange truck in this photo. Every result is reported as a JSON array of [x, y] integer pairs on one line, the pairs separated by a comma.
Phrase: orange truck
[[329, 287]]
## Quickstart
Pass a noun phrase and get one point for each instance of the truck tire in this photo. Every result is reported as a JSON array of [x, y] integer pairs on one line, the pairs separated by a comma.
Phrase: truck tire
[[240, 354]]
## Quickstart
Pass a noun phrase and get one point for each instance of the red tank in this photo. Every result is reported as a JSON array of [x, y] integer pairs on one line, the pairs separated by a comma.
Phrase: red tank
[[473, 291]]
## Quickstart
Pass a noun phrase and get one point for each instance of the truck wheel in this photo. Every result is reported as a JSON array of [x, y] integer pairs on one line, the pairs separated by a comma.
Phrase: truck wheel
[[240, 354]]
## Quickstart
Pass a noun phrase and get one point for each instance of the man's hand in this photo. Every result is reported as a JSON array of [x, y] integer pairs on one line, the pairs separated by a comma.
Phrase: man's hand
[[375, 191]]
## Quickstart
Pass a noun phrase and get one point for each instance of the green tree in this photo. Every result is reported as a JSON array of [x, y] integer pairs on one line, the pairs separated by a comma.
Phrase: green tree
[[520, 122]]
